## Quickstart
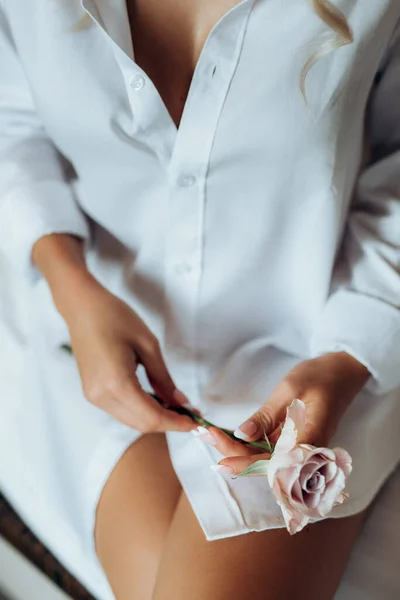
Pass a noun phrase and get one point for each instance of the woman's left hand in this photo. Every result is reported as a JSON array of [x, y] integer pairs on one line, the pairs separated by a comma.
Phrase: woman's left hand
[[326, 385]]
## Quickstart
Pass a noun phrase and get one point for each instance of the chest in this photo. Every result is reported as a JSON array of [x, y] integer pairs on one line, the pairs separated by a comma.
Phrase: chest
[[243, 102], [168, 38]]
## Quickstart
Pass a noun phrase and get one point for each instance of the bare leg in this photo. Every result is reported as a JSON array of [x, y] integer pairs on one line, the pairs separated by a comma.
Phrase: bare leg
[[134, 515], [270, 565]]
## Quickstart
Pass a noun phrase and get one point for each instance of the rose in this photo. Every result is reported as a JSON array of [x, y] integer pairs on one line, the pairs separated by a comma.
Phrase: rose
[[327, 385], [307, 481]]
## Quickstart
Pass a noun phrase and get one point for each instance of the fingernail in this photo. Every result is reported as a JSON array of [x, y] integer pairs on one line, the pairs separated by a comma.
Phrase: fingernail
[[204, 435], [246, 430], [200, 430], [222, 469]]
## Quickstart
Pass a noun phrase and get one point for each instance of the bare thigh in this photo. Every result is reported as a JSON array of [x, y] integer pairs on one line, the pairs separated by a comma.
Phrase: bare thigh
[[134, 515], [270, 565]]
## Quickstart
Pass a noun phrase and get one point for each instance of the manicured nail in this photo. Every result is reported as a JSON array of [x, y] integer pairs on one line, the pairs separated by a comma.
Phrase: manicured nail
[[222, 469], [246, 430], [204, 435]]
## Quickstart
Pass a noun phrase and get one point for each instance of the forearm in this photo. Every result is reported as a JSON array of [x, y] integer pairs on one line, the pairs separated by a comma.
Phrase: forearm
[[60, 259]]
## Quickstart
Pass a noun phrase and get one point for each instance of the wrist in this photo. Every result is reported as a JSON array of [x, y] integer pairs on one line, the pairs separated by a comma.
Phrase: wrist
[[54, 252], [351, 368], [74, 292], [60, 259]]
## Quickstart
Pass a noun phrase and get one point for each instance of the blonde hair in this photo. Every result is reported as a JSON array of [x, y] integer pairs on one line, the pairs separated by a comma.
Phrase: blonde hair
[[330, 14], [341, 35]]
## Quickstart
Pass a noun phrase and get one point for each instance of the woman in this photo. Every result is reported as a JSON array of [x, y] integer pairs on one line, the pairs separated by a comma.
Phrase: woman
[[176, 202]]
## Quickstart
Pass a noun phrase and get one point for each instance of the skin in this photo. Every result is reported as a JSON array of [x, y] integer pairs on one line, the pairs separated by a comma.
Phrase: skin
[[152, 549], [168, 39], [327, 385], [109, 340], [147, 538]]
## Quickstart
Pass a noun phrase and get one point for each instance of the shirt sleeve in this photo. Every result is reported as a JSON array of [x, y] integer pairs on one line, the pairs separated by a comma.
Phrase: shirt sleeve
[[35, 196], [362, 316]]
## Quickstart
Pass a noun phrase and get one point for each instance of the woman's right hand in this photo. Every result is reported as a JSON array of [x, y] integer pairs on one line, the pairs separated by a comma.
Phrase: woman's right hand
[[109, 340]]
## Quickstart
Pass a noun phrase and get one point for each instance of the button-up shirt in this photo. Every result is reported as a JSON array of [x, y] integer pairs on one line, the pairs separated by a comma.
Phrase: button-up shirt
[[250, 223], [257, 234]]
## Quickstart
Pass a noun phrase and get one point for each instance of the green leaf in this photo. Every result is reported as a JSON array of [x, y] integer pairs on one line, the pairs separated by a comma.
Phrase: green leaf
[[260, 467], [261, 445]]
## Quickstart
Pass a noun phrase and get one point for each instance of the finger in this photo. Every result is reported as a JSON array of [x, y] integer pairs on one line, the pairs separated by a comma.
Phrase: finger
[[150, 356], [228, 446], [146, 422], [222, 442], [236, 464], [168, 420], [145, 413], [148, 415], [120, 411], [266, 419]]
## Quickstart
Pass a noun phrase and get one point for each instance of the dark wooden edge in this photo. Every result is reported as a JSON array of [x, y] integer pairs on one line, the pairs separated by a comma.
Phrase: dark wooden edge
[[14, 530]]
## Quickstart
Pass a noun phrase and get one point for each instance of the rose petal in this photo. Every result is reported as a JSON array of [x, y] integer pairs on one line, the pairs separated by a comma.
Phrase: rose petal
[[282, 497], [312, 500], [296, 492], [309, 469], [329, 471], [315, 483], [321, 483], [278, 462], [306, 472], [293, 426], [326, 453], [332, 491], [341, 498], [297, 412], [296, 522], [294, 519], [287, 479], [343, 460]]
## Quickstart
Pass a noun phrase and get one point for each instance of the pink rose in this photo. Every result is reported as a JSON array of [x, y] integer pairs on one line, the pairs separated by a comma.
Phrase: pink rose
[[306, 481]]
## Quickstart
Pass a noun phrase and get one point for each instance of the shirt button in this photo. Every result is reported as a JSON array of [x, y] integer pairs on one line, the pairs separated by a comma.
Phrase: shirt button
[[183, 268], [137, 82], [187, 180]]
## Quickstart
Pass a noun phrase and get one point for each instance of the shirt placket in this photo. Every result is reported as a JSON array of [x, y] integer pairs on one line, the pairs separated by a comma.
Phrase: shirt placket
[[187, 194], [184, 156], [151, 123]]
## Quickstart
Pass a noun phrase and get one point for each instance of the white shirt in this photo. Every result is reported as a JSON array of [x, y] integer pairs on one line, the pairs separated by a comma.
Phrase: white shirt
[[235, 219], [249, 239]]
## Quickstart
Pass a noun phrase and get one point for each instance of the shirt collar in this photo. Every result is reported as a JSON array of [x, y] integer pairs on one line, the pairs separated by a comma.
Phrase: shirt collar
[[113, 18]]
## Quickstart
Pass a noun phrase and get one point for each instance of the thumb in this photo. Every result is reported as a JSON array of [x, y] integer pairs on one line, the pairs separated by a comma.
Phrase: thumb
[[265, 420]]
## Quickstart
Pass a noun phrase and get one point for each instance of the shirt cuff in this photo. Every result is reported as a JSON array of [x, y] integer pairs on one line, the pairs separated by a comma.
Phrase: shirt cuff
[[367, 329], [32, 211]]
